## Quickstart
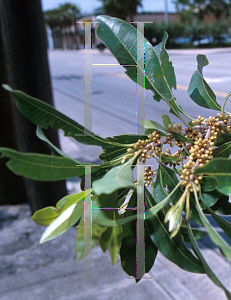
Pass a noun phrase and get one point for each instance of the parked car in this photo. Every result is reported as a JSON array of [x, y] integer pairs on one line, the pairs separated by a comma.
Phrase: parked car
[[183, 40], [202, 40], [222, 38]]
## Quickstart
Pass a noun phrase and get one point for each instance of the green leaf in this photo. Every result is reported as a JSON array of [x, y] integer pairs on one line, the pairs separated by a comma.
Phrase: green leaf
[[148, 214], [193, 212], [115, 245], [119, 145], [105, 239], [223, 151], [121, 39], [206, 267], [40, 134], [222, 139], [126, 139], [118, 177], [208, 184], [104, 206], [67, 201], [64, 222], [166, 121], [213, 234], [198, 90], [107, 220], [129, 244], [173, 249], [131, 211], [175, 109], [220, 169], [169, 179], [43, 167], [222, 206], [110, 153], [97, 231], [198, 234], [47, 215], [94, 176], [112, 223], [151, 124], [150, 131], [128, 254], [122, 194], [180, 137], [224, 225], [211, 198], [169, 158], [159, 191], [105, 217], [45, 115], [152, 211], [82, 249]]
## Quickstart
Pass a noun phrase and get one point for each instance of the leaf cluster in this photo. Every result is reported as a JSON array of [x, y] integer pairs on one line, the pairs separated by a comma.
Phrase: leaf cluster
[[124, 194]]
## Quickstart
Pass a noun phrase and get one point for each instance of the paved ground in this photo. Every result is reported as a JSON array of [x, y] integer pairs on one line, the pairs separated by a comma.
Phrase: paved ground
[[29, 271]]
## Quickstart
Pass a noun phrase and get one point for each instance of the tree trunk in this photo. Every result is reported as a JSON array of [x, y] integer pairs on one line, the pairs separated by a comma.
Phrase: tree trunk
[[25, 47], [76, 41], [12, 187], [55, 38]]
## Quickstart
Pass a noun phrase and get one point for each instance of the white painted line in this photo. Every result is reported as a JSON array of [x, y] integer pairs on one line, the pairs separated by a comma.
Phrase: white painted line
[[218, 80]]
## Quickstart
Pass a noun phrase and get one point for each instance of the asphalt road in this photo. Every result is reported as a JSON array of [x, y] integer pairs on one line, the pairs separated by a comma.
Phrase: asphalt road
[[114, 94]]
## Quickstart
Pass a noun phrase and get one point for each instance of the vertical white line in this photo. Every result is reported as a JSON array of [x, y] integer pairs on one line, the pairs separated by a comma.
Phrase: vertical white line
[[140, 76], [140, 244], [88, 80], [87, 224]]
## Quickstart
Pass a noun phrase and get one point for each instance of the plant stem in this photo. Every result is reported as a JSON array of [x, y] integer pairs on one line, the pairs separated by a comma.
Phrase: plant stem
[[223, 106], [186, 115], [180, 110], [179, 116]]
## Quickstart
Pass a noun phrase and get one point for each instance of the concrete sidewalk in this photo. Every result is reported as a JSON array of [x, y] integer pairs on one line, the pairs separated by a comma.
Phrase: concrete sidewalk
[[29, 271]]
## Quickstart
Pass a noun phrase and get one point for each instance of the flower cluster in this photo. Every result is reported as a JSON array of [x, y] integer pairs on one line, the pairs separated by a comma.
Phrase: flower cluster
[[203, 134]]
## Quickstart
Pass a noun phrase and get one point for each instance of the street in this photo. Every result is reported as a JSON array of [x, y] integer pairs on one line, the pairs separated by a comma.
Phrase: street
[[114, 94]]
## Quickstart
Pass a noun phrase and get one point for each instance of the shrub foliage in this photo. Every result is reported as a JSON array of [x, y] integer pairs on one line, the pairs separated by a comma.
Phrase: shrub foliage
[[190, 182]]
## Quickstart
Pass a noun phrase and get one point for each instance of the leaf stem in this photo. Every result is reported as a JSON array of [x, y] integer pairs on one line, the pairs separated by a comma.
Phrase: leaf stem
[[195, 195], [177, 113], [223, 106], [120, 158], [188, 206], [186, 115]]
